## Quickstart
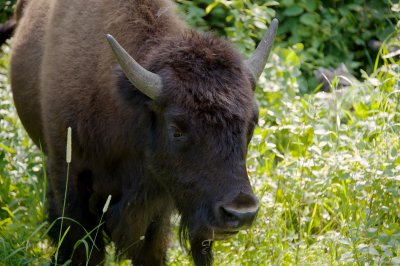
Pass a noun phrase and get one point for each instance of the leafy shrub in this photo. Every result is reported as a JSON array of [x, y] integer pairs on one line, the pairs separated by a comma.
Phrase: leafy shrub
[[6, 9], [335, 31], [243, 22], [330, 32]]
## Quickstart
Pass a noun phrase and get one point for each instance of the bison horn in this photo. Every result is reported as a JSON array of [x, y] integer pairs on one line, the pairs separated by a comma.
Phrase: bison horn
[[147, 82], [258, 59]]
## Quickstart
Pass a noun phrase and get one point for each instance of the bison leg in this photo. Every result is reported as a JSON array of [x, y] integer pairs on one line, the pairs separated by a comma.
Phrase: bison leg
[[78, 219], [201, 252], [141, 232], [154, 249]]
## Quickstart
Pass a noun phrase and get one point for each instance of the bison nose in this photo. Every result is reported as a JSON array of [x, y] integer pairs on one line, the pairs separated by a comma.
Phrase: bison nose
[[240, 213]]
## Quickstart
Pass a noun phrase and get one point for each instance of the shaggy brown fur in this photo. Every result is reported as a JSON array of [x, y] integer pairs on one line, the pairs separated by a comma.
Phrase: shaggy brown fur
[[184, 150]]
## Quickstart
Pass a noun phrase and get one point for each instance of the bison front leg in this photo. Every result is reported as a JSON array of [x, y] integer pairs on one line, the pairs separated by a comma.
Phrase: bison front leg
[[141, 232], [201, 251], [77, 220], [156, 240]]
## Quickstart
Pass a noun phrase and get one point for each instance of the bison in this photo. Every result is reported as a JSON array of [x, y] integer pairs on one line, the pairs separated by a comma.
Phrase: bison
[[161, 121]]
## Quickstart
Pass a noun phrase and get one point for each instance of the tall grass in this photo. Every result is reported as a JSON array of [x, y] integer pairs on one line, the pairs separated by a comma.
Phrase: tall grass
[[325, 166], [23, 223], [68, 161]]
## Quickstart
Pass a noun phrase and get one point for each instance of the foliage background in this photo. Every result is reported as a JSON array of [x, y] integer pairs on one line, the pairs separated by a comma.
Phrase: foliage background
[[6, 9], [326, 166], [326, 33]]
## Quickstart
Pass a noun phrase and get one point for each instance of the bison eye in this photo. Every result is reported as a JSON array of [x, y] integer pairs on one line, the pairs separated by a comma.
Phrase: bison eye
[[178, 134]]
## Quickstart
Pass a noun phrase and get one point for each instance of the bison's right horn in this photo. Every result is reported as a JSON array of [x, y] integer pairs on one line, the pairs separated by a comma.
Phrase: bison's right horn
[[258, 59], [147, 82]]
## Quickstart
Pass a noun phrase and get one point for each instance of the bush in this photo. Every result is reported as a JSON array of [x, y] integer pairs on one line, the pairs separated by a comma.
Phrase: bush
[[327, 32], [335, 32], [6, 9]]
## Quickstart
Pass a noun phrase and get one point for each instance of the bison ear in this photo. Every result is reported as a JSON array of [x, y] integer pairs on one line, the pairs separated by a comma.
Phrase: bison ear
[[258, 59], [147, 82]]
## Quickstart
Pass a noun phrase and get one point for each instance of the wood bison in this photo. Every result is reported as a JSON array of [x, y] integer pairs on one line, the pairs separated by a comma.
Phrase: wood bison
[[165, 131]]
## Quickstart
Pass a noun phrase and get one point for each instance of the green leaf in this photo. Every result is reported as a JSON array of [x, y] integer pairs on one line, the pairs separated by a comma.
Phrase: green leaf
[[287, 2], [260, 25], [298, 46], [6, 148], [210, 7], [361, 110], [293, 11], [309, 19], [311, 5]]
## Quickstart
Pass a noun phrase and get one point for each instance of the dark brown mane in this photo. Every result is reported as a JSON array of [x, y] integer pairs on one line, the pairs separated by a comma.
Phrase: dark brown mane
[[141, 23], [210, 75]]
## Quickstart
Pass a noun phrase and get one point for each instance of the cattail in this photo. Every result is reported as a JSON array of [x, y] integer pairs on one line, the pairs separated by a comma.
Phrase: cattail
[[105, 208], [69, 145]]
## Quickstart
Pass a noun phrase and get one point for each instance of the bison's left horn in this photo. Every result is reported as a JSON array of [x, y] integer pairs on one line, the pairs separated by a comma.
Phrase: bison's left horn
[[258, 59], [146, 81]]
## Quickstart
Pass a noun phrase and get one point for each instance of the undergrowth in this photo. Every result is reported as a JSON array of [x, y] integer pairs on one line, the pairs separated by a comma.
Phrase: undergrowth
[[326, 167]]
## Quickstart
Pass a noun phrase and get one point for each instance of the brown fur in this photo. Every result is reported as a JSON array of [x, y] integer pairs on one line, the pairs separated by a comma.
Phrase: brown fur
[[63, 75]]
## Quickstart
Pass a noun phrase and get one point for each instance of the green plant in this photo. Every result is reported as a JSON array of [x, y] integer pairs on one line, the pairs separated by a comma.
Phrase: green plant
[[6, 9], [335, 32], [243, 22], [330, 32], [22, 187]]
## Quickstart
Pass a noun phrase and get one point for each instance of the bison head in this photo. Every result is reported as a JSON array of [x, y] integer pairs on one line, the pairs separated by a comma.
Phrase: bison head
[[202, 99]]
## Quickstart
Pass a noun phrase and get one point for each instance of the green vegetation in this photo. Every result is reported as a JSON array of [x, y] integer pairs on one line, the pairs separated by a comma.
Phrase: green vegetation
[[22, 186], [326, 166], [335, 32], [329, 32], [6, 9]]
